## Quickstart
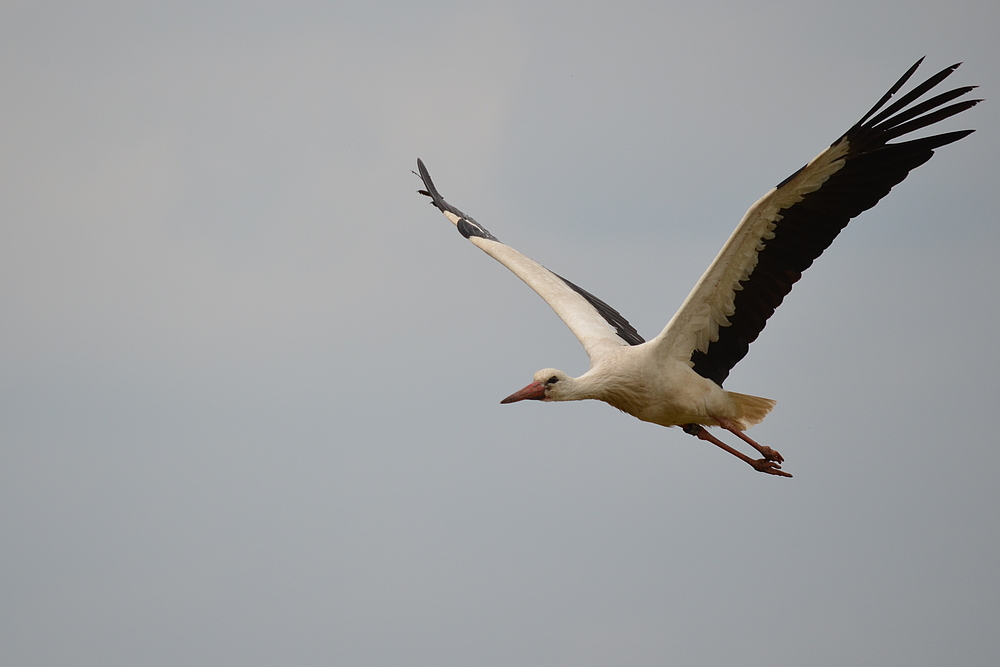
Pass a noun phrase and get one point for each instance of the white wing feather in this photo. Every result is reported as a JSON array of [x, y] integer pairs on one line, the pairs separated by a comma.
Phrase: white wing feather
[[587, 324], [709, 305]]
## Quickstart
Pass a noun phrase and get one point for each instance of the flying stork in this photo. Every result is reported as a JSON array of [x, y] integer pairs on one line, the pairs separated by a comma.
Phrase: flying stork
[[676, 378]]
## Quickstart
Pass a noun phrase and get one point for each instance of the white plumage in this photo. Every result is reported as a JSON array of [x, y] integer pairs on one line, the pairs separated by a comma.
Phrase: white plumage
[[676, 379]]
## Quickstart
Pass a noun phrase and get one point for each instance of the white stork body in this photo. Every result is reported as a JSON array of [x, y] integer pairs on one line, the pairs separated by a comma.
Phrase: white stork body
[[676, 379]]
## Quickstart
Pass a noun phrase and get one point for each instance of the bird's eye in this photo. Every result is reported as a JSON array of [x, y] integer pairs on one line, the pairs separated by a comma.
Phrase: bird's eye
[[552, 380]]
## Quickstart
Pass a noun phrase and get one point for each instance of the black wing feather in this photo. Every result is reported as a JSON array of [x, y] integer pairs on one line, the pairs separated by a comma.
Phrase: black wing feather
[[872, 167], [625, 330], [467, 227]]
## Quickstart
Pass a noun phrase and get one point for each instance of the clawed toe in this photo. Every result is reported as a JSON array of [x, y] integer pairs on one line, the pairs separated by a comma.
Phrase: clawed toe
[[770, 454], [769, 467], [769, 464], [765, 451]]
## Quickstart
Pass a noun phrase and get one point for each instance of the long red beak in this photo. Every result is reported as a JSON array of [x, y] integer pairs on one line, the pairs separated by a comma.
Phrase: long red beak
[[534, 391]]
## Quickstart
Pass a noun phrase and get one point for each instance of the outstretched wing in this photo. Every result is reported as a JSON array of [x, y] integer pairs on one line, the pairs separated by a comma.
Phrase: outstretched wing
[[597, 325], [796, 221]]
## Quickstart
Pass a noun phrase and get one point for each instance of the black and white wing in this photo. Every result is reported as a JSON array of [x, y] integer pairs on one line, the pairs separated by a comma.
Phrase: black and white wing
[[793, 224], [597, 325]]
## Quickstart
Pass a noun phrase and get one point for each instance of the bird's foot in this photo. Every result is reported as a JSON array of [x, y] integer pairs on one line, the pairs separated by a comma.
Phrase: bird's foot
[[770, 454], [769, 466], [765, 451]]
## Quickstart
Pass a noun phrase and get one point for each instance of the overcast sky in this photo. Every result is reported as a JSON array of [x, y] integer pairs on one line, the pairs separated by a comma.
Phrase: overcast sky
[[250, 380]]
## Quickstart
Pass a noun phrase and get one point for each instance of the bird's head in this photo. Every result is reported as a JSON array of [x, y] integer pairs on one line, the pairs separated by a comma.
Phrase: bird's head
[[549, 385]]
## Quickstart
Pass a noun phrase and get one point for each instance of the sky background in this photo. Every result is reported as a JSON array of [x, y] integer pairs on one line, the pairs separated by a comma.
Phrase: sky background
[[250, 380]]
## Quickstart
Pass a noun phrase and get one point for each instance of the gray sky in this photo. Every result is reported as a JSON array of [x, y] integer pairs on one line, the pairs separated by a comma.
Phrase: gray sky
[[249, 379]]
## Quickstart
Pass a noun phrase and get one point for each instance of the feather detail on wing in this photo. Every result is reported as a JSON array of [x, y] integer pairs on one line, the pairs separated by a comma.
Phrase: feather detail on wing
[[596, 325], [789, 227]]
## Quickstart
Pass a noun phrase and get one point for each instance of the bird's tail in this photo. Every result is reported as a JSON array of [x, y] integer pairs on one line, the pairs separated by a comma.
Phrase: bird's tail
[[752, 409]]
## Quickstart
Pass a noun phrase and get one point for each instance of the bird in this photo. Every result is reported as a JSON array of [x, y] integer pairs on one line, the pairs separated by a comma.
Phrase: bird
[[676, 379]]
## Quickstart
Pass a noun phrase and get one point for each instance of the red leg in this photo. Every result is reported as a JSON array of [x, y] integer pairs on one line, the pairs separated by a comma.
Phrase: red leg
[[768, 466], [765, 451]]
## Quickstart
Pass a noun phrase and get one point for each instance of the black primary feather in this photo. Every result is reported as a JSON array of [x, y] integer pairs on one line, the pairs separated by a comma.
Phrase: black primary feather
[[872, 167]]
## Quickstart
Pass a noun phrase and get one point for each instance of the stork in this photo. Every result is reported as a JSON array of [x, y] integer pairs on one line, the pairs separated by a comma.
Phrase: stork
[[676, 378]]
